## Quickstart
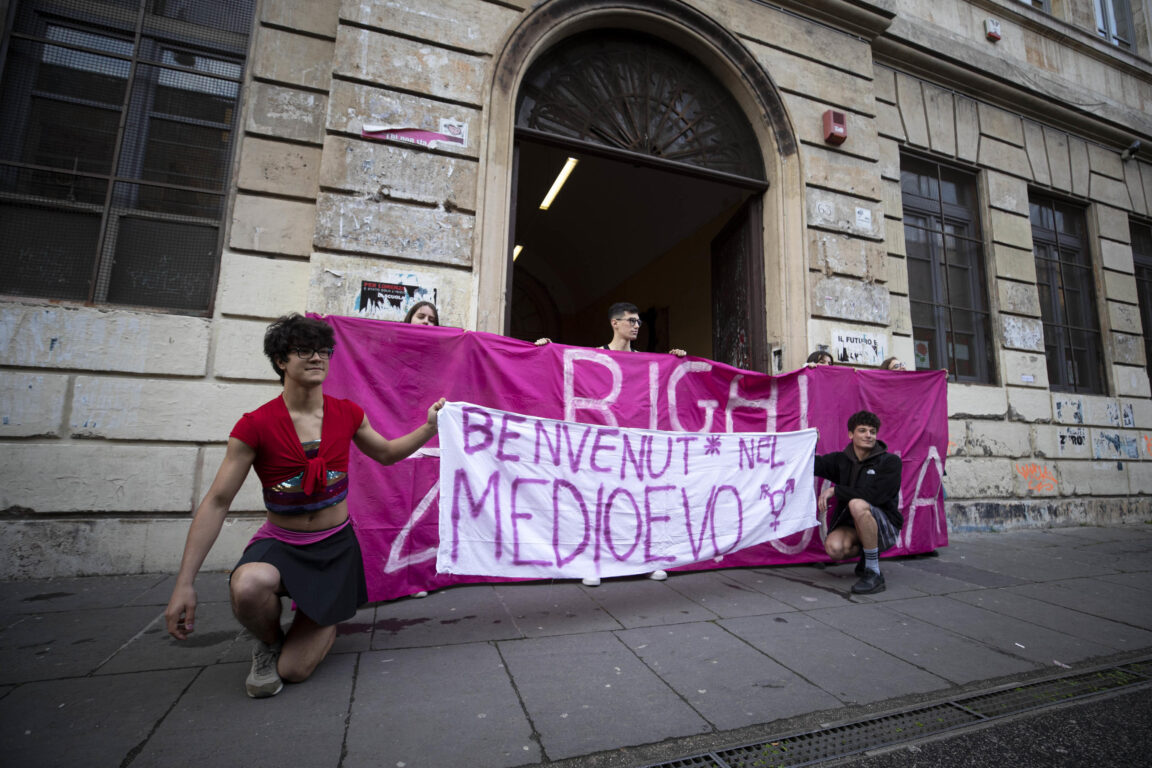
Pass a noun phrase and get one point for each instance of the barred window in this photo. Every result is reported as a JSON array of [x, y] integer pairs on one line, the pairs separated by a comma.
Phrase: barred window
[[120, 119], [1142, 259], [947, 287], [1067, 285]]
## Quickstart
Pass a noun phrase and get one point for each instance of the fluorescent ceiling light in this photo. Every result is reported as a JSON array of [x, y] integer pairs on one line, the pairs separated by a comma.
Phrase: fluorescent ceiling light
[[556, 185], [516, 251]]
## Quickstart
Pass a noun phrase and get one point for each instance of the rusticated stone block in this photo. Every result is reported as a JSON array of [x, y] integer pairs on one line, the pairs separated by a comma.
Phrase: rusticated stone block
[[1011, 229], [1018, 298], [1025, 333], [272, 225], [1026, 404], [103, 340], [289, 113], [818, 81], [162, 409], [31, 404], [980, 478], [1008, 193], [1008, 158], [1093, 478], [941, 114], [1001, 124], [1112, 223], [355, 105], [910, 98], [389, 229], [1120, 287], [409, 65], [1110, 191], [884, 81], [841, 213], [1116, 256], [808, 119], [386, 171], [1131, 381], [1128, 349], [1024, 369], [967, 129], [1059, 163], [849, 299], [97, 477], [888, 122], [1105, 162], [238, 348], [976, 401], [1124, 317], [889, 159], [472, 25], [999, 438], [278, 168], [292, 59], [255, 286], [319, 18], [897, 275], [1139, 189], [1081, 168], [1037, 152], [839, 254], [842, 173], [1014, 263]]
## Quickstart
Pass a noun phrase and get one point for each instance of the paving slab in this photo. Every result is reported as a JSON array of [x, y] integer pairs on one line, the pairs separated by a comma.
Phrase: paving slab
[[67, 644], [959, 571], [465, 614], [215, 723], [355, 635], [85, 721], [1120, 637], [645, 603], [211, 587], [948, 655], [726, 594], [587, 693], [436, 707], [1002, 633], [557, 608], [84, 593], [791, 589], [1037, 564], [1102, 533], [153, 648], [924, 581], [849, 669], [1095, 597], [729, 683]]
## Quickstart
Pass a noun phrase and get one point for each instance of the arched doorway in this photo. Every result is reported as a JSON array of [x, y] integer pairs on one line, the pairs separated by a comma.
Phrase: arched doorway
[[779, 223], [662, 206]]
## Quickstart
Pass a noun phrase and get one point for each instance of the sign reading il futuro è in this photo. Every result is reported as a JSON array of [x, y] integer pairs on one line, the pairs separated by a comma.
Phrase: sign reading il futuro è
[[566, 460]]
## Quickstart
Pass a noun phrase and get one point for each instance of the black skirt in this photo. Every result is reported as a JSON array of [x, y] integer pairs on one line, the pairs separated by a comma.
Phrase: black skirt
[[325, 579]]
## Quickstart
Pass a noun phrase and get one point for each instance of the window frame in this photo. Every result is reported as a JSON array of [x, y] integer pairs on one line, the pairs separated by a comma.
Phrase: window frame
[[125, 181], [1114, 22], [949, 217], [1052, 273]]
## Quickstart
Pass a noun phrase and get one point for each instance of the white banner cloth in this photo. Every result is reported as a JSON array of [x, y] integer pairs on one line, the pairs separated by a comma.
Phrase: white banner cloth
[[527, 497]]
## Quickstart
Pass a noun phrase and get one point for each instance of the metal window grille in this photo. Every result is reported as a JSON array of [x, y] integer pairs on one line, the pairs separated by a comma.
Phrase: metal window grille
[[120, 120], [1067, 284], [947, 287]]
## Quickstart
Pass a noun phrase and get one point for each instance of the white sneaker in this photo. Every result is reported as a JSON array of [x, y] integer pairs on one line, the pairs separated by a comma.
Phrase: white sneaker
[[658, 575], [592, 581], [421, 593], [264, 679]]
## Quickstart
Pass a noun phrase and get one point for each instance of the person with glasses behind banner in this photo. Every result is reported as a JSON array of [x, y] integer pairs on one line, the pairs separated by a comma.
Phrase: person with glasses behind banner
[[624, 318], [307, 550]]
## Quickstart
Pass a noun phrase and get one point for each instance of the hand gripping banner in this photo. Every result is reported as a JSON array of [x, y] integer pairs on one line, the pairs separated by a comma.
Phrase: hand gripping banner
[[526, 497]]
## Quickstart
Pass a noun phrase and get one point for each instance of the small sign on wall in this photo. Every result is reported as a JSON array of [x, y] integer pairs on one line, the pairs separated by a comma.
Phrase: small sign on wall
[[451, 132], [859, 347], [388, 300]]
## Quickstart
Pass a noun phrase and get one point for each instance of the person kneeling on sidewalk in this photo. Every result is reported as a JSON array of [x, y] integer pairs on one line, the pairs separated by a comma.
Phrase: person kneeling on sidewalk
[[307, 550], [867, 490]]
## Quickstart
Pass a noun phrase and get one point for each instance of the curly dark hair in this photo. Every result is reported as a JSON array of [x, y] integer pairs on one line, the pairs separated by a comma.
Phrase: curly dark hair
[[867, 418], [295, 331]]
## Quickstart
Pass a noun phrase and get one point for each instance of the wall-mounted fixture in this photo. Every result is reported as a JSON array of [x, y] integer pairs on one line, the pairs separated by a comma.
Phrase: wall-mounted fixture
[[835, 126], [992, 29], [1130, 153]]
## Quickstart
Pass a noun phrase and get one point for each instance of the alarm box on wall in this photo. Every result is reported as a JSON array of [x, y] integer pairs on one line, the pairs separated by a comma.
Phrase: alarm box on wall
[[835, 126]]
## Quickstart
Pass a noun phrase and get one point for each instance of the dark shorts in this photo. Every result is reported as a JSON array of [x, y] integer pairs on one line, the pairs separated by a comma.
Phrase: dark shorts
[[886, 533], [325, 579]]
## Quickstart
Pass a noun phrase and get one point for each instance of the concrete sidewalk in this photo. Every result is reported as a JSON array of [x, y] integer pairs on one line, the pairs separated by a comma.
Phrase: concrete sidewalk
[[627, 674]]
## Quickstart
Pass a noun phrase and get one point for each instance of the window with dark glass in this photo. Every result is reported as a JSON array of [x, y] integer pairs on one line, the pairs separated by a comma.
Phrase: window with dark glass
[[1114, 22], [1067, 285], [947, 287], [1142, 260], [119, 123]]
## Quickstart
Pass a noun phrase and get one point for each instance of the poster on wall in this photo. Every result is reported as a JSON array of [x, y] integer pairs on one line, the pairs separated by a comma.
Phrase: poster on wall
[[390, 300], [859, 347]]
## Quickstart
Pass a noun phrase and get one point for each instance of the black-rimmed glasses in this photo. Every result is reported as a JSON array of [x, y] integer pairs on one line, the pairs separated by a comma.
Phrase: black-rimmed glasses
[[306, 353]]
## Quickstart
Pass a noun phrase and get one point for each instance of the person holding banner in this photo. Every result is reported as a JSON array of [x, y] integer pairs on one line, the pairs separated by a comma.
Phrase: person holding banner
[[624, 317], [867, 490], [298, 443], [422, 313]]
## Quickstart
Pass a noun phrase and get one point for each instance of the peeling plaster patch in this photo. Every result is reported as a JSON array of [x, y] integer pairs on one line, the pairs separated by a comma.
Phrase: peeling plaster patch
[[1069, 410], [1072, 441], [1113, 445]]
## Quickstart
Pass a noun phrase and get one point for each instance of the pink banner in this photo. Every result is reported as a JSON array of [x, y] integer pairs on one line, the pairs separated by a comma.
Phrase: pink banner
[[395, 371]]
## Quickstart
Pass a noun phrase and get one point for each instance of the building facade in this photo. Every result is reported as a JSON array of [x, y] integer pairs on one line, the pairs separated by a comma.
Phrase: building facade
[[964, 185]]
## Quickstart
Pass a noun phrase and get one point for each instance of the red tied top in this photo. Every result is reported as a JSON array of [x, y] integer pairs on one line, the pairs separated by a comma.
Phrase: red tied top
[[269, 431]]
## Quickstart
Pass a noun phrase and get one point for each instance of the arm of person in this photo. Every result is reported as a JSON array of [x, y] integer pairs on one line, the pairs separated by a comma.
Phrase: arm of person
[[384, 451], [678, 352], [884, 487], [180, 614]]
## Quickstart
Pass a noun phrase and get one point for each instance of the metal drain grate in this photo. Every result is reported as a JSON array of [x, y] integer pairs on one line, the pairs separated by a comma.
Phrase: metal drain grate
[[847, 739], [853, 738], [1046, 693]]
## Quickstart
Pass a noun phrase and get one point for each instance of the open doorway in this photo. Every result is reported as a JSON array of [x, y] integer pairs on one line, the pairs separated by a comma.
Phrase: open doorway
[[617, 231]]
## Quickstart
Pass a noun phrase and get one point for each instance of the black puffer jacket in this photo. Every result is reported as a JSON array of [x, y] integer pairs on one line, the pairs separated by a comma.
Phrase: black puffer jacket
[[876, 479]]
